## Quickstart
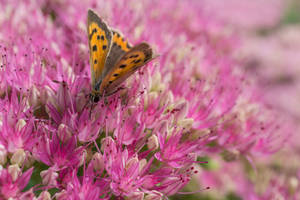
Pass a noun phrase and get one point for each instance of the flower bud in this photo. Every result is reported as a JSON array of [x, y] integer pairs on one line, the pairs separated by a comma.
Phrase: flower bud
[[20, 124], [29, 159], [3, 155], [152, 96], [136, 196], [64, 133], [293, 184], [45, 195], [33, 97], [98, 162], [18, 157], [14, 171], [83, 157], [153, 142], [181, 110], [186, 123], [131, 162], [49, 177], [154, 196], [143, 163], [28, 195], [62, 195]]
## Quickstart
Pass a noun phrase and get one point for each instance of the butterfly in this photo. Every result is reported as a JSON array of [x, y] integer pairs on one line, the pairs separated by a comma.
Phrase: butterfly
[[112, 58]]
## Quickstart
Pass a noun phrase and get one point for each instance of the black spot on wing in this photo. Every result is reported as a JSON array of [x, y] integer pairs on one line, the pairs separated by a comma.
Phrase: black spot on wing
[[115, 75], [104, 47], [122, 66], [136, 61], [95, 48], [95, 61], [134, 56]]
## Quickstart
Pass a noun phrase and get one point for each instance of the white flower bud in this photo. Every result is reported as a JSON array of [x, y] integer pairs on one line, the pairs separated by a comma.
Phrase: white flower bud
[[293, 184], [29, 159], [131, 162], [3, 155], [83, 157], [49, 177], [153, 142], [154, 196], [152, 96], [143, 163], [98, 162], [136, 196], [181, 110], [20, 124], [186, 123], [62, 195], [14, 171], [18, 157], [45, 195], [64, 133]]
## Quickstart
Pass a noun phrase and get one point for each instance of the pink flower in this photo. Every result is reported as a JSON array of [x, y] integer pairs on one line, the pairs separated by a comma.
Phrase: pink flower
[[17, 124], [12, 183], [145, 140]]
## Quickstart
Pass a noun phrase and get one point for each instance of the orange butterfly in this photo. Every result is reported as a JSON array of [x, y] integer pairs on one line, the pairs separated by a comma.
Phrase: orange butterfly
[[112, 58]]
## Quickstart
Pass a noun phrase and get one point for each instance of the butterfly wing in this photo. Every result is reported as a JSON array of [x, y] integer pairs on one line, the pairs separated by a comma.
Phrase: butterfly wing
[[100, 41], [129, 63], [119, 47]]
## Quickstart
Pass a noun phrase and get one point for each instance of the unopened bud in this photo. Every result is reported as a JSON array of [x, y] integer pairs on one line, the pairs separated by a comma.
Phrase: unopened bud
[[143, 163], [83, 157], [153, 142], [64, 133], [29, 160], [186, 123], [136, 196], [45, 195], [18, 157], [14, 171], [131, 162], [181, 110], [62, 195], [154, 196], [20, 124], [49, 177], [293, 184], [3, 155], [98, 162]]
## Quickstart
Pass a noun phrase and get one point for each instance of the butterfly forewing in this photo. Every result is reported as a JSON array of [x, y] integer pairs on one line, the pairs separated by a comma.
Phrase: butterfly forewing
[[100, 39], [130, 62]]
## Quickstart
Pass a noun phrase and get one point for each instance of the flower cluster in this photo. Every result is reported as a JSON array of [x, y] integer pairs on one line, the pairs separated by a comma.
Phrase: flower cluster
[[146, 141]]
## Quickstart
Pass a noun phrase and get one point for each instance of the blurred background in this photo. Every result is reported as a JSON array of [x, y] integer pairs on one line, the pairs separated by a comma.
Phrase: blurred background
[[269, 53]]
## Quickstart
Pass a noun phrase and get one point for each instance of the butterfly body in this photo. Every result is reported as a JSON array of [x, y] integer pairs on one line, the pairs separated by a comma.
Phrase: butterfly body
[[112, 58]]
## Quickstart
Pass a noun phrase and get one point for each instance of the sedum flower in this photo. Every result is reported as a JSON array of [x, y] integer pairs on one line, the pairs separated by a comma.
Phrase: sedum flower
[[144, 142]]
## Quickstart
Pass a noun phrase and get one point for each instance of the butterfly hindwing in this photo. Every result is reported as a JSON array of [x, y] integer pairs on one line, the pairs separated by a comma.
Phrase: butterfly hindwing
[[119, 47], [100, 41], [125, 66]]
